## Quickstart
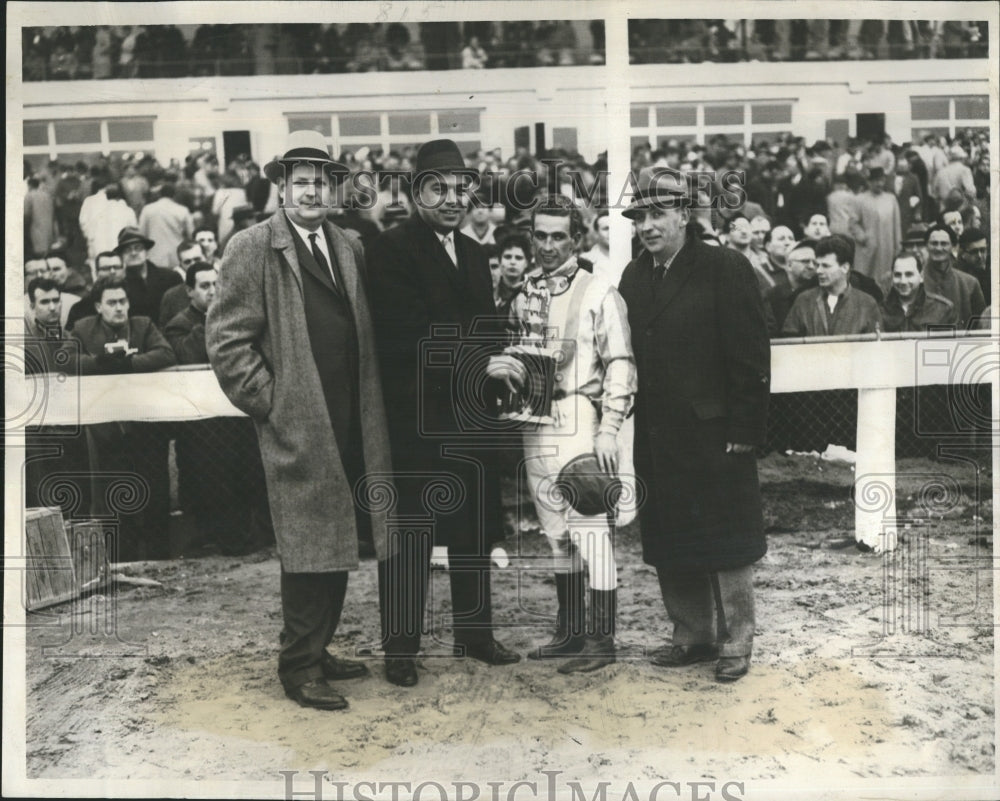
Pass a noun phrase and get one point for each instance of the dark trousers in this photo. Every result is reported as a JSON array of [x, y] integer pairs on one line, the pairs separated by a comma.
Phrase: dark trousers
[[711, 608], [403, 583], [311, 604]]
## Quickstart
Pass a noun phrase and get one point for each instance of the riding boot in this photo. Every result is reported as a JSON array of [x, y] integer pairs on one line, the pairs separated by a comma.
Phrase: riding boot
[[568, 639], [599, 647]]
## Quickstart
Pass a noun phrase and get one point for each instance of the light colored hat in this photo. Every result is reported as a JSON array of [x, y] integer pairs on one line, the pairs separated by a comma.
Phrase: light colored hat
[[305, 147]]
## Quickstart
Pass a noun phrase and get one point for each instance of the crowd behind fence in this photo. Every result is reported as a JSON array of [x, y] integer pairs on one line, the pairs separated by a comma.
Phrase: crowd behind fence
[[84, 221]]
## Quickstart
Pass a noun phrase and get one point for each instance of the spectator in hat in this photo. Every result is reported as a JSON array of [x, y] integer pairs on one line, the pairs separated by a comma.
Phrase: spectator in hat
[[974, 258], [834, 307], [290, 339], [425, 272], [702, 355], [597, 370], [879, 231], [942, 278], [166, 223], [909, 306], [954, 179], [145, 282]]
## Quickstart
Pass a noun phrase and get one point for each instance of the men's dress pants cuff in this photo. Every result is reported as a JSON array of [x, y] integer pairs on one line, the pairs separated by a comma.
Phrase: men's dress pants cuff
[[735, 649], [298, 678]]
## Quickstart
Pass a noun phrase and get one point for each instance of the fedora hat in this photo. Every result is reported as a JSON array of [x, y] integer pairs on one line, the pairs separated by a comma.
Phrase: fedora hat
[[305, 147], [440, 155], [658, 186], [587, 488], [128, 235]]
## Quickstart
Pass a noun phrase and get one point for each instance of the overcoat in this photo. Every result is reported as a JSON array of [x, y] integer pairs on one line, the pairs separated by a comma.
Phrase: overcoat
[[436, 326], [703, 362], [260, 349]]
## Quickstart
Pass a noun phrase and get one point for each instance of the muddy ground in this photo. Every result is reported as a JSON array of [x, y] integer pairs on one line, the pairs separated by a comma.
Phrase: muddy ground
[[864, 666]]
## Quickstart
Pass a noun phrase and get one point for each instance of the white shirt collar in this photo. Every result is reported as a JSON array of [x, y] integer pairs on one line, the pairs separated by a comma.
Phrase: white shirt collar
[[305, 234]]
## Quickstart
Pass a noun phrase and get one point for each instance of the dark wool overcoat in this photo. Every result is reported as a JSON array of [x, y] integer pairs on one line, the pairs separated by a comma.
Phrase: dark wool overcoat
[[703, 362], [261, 348], [436, 326]]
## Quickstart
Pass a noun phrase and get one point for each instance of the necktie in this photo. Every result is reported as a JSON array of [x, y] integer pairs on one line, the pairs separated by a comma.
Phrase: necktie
[[449, 246], [320, 258], [659, 273]]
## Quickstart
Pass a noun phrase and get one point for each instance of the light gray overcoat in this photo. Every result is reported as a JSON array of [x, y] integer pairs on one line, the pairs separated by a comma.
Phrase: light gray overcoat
[[258, 345]]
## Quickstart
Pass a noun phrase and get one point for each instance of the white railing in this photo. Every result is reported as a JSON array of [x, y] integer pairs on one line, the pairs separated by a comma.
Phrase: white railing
[[875, 367]]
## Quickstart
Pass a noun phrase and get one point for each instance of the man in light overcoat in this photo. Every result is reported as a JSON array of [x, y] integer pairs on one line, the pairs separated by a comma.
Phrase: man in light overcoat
[[290, 339]]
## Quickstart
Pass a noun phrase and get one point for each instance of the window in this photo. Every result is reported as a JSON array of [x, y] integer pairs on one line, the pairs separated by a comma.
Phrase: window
[[698, 122], [945, 114], [385, 131], [83, 140]]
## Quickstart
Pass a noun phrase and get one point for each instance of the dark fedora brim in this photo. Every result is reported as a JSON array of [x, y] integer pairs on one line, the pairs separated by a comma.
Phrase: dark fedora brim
[[277, 169], [661, 198], [146, 243]]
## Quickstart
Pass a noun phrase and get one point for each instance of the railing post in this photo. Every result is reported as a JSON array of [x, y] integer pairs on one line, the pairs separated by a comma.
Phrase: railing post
[[875, 469]]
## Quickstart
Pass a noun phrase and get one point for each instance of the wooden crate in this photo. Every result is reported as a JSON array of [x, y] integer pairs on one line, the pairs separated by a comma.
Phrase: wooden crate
[[63, 561], [49, 575]]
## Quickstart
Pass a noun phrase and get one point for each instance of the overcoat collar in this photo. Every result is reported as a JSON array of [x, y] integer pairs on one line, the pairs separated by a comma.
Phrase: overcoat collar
[[282, 240], [681, 268]]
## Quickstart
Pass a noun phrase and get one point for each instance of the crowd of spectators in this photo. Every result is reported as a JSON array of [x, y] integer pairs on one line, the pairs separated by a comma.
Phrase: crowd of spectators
[[166, 51], [122, 259], [691, 41], [878, 198]]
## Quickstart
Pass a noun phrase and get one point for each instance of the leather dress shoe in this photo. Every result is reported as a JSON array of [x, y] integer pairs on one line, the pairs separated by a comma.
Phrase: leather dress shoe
[[335, 668], [317, 694], [491, 652], [401, 671], [681, 655], [731, 668]]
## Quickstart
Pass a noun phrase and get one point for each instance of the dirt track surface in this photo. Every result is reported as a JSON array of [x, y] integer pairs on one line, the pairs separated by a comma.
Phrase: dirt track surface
[[844, 683]]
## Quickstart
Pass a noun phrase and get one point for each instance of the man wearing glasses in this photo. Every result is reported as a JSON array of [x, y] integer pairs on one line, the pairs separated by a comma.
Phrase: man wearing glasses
[[974, 258]]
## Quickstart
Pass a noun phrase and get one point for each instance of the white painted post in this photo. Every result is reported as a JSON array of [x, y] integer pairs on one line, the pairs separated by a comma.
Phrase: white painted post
[[875, 469]]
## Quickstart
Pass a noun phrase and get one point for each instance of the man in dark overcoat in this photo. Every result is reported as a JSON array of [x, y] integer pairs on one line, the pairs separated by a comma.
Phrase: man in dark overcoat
[[425, 273], [703, 361], [290, 339]]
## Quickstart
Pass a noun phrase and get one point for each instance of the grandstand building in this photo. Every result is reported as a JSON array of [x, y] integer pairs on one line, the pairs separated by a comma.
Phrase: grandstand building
[[562, 107]]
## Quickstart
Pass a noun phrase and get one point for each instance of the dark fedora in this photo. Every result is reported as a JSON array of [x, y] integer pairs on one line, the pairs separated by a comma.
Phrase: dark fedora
[[305, 147], [587, 488], [128, 235], [875, 173], [440, 155], [661, 187]]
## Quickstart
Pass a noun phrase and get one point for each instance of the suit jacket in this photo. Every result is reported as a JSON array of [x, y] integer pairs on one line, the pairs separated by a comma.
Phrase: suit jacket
[[186, 335], [703, 361], [431, 382], [175, 300], [260, 346], [93, 333], [144, 297]]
